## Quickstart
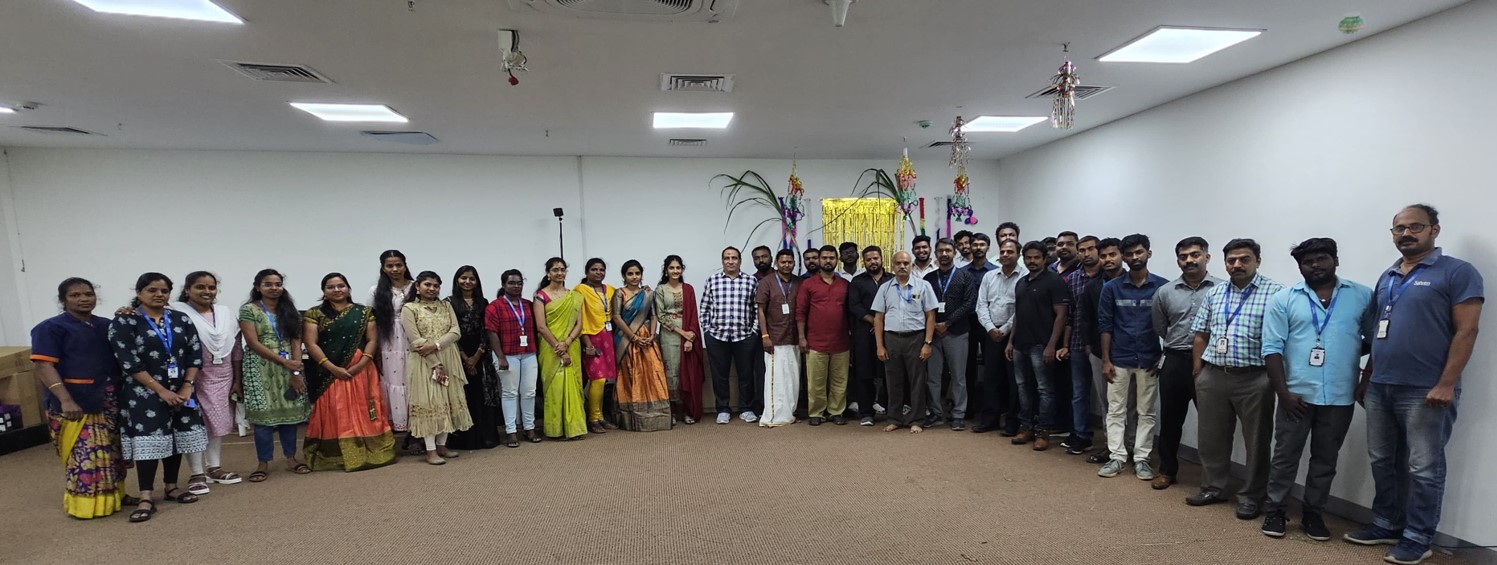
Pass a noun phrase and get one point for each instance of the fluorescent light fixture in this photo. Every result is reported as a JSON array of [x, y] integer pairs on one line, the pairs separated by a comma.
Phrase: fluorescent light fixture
[[7, 110], [351, 112], [1005, 124], [199, 10], [707, 120], [1173, 44]]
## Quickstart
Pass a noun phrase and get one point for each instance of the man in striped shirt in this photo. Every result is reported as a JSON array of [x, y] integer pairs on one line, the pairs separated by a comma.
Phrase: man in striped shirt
[[732, 332]]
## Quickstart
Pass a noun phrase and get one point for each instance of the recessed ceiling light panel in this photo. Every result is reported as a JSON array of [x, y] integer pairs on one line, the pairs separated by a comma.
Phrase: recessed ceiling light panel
[[1173, 44], [351, 112], [1005, 124], [7, 110], [681, 120], [199, 10]]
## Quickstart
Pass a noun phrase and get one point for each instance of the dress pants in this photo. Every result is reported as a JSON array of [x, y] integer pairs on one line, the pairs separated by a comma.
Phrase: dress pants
[[948, 351], [1325, 427], [1224, 400], [1177, 390], [905, 374], [866, 371], [746, 357]]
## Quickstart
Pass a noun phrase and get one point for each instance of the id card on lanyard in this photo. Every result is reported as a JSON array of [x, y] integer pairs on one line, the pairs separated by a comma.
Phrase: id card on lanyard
[[1393, 296], [941, 306], [519, 315], [785, 294], [603, 299], [280, 342], [1224, 343], [1317, 354], [164, 333]]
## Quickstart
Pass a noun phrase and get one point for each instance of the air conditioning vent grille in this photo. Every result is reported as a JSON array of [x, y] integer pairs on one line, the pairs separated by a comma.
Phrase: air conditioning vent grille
[[1082, 92], [650, 7], [57, 130], [681, 82], [944, 143], [278, 73], [406, 137], [637, 10], [683, 142]]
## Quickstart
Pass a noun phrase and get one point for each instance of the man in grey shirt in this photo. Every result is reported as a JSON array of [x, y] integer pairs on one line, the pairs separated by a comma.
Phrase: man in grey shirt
[[1175, 306], [904, 325]]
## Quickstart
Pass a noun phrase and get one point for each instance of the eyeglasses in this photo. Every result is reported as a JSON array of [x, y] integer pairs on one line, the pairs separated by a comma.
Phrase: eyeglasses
[[1411, 228]]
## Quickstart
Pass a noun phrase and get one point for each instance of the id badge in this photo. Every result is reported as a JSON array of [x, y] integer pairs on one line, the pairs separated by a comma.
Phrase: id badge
[[524, 340], [607, 326], [285, 355], [941, 307], [1317, 357], [172, 372], [785, 309], [1382, 329], [217, 360], [1223, 345]]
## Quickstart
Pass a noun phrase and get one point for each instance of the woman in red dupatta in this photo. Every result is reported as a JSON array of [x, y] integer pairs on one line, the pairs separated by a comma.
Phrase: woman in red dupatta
[[680, 340]]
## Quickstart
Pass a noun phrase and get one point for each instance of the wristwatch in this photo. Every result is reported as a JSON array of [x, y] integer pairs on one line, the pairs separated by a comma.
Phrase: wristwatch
[[927, 342]]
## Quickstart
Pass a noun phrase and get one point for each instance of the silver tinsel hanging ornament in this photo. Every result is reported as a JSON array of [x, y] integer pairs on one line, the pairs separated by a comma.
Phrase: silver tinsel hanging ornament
[[1065, 81]]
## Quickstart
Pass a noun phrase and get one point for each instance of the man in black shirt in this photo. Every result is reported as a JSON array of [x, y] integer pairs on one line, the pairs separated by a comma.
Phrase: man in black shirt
[[956, 294], [1041, 298], [867, 369]]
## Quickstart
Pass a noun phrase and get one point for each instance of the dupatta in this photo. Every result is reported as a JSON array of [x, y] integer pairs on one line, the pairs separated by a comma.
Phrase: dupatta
[[691, 361], [339, 338]]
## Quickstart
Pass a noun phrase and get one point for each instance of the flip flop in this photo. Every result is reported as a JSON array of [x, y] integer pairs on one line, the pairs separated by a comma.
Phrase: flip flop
[[143, 514], [301, 469], [183, 497]]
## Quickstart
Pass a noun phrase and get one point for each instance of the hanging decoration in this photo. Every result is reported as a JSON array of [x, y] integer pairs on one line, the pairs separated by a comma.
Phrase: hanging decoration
[[792, 209], [904, 186], [1350, 24], [1063, 111], [959, 146], [959, 207]]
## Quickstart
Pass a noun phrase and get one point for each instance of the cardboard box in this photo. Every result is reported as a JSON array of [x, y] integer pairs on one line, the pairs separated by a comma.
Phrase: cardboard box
[[15, 360], [18, 384]]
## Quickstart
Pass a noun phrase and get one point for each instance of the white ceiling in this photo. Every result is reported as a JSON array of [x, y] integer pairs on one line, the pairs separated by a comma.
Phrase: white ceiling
[[804, 88]]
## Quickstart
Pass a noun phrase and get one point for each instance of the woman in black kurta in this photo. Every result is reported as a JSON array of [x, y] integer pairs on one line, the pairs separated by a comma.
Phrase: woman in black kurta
[[482, 391]]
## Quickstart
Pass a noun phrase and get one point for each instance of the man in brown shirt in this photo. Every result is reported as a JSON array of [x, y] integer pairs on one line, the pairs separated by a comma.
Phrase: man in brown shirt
[[774, 301]]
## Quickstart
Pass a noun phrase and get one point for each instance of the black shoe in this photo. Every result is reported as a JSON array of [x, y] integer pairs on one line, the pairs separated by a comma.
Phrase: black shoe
[[958, 425], [983, 428], [816, 420], [839, 420], [1100, 457], [1248, 510], [1273, 524], [1206, 497], [1314, 527], [1077, 446], [1009, 432], [933, 421]]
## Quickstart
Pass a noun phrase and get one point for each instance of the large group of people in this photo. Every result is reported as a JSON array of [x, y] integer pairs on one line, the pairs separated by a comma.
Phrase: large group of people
[[1029, 346]]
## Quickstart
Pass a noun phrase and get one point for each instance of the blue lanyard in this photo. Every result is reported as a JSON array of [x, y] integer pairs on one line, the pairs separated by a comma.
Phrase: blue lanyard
[[900, 291], [1228, 302], [602, 298], [164, 333], [1394, 296], [279, 341], [784, 292], [1315, 312], [947, 284], [518, 314]]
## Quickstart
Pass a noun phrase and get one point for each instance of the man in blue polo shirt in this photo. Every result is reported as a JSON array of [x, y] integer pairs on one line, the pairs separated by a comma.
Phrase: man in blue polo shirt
[[1314, 335], [1130, 352], [1427, 306]]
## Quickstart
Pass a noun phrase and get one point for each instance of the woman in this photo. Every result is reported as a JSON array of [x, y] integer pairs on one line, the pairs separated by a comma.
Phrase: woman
[[350, 427], [510, 330], [434, 374], [73, 360], [680, 340], [158, 352], [643, 396], [482, 391], [386, 298], [599, 365], [218, 331], [272, 386], [558, 318]]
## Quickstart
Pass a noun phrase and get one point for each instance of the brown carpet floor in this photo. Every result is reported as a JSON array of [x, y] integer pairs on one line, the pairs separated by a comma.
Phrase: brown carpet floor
[[697, 494]]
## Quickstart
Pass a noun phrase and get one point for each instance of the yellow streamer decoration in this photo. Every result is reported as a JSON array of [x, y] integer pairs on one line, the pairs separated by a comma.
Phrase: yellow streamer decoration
[[864, 221]]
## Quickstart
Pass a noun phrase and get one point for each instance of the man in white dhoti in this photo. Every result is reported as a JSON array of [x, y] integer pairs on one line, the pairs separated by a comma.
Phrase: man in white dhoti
[[774, 301]]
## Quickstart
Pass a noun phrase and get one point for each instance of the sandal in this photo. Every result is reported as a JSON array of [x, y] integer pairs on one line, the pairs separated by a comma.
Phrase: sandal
[[511, 440], [198, 485], [181, 496], [143, 514], [533, 436], [258, 477], [220, 476], [299, 468]]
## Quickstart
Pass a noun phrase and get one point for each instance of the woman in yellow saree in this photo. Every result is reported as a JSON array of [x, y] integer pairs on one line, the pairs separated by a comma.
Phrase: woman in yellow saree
[[558, 314]]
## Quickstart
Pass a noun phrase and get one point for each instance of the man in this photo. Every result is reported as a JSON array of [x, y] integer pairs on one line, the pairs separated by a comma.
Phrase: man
[[1073, 356], [1110, 266], [1428, 305], [956, 296], [1175, 308], [1231, 382], [1130, 352], [976, 344], [963, 241], [1040, 301], [995, 312], [732, 332], [1314, 334], [762, 262], [848, 252], [821, 318], [811, 262], [774, 301], [1066, 257], [904, 325], [923, 265], [1049, 250], [1007, 231], [866, 366]]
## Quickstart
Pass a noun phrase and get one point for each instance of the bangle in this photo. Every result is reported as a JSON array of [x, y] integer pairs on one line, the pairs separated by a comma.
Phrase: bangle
[[53, 385], [323, 360]]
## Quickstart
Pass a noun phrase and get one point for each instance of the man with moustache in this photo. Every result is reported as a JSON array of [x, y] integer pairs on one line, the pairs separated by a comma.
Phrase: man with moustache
[[963, 241], [1231, 382], [1175, 307], [1428, 305], [977, 268], [904, 326], [763, 262], [732, 334], [867, 367], [1007, 231], [1130, 351], [921, 248], [821, 317], [1314, 335], [956, 295], [1109, 267], [1066, 257], [995, 314], [1074, 360], [1040, 306], [810, 262], [848, 252]]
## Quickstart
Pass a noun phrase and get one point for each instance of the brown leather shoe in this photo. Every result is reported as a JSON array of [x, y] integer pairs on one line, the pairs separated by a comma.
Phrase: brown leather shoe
[[1042, 442], [1162, 482], [1024, 437]]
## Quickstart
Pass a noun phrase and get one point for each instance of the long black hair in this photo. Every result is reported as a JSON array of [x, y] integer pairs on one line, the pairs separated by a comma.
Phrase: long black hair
[[460, 306], [144, 281], [384, 305], [325, 307], [410, 292], [191, 279], [287, 317], [665, 269], [546, 279]]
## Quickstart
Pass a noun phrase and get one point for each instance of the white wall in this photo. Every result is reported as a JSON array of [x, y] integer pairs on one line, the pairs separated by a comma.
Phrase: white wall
[[12, 298], [1333, 145], [109, 215]]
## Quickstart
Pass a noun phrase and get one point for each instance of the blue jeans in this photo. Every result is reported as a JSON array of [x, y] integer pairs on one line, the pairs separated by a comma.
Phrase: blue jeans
[[265, 441], [1081, 395], [1406, 443], [1030, 365]]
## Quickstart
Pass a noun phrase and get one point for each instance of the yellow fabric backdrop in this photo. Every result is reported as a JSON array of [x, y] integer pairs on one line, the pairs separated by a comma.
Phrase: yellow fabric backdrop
[[864, 221]]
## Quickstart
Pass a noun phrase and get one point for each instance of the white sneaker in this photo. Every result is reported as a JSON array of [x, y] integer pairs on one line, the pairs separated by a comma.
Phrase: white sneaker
[[879, 409], [724, 417], [748, 416]]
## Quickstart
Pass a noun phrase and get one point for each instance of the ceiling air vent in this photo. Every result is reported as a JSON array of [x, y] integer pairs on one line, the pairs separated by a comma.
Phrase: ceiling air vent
[[1082, 92], [680, 82], [277, 73], [57, 130], [683, 142], [943, 143], [639, 10], [407, 137]]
